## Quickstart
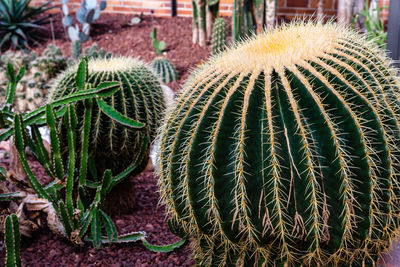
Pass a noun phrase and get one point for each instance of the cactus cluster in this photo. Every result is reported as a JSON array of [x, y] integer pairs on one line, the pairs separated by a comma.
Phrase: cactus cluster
[[218, 38], [92, 52], [87, 14], [33, 87], [140, 98], [164, 69], [284, 151]]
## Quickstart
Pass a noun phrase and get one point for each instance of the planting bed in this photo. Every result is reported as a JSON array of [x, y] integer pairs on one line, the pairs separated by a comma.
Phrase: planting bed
[[113, 33]]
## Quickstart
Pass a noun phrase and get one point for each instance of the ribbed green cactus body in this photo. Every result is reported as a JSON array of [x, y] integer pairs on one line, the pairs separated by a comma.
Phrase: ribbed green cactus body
[[141, 98], [218, 38], [164, 69], [286, 149]]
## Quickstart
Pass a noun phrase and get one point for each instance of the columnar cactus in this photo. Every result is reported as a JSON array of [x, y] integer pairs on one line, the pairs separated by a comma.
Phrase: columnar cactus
[[285, 150], [114, 146], [164, 69], [218, 38]]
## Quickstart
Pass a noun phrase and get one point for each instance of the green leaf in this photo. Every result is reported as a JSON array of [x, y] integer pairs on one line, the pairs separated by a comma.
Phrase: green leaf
[[85, 141], [96, 229], [54, 143], [165, 248], [21, 73], [10, 73], [71, 122], [81, 74], [66, 220], [13, 241], [92, 168], [105, 182], [3, 173], [36, 116], [40, 151], [20, 145], [111, 230], [12, 196], [118, 117]]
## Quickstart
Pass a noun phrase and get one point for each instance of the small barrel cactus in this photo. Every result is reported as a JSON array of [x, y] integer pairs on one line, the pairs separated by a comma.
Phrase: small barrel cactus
[[164, 69], [285, 150], [218, 38], [141, 98]]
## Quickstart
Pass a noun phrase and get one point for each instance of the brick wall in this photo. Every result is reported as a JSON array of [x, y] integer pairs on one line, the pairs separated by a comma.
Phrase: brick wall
[[287, 9]]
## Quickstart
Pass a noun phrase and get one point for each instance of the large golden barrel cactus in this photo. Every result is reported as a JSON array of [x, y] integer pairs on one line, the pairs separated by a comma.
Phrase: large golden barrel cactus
[[140, 98], [285, 150]]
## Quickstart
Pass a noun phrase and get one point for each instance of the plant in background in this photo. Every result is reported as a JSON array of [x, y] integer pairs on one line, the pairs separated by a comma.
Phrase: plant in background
[[286, 158], [218, 40], [40, 70], [374, 26], [164, 69], [12, 239], [87, 14], [92, 52], [204, 14], [159, 46], [19, 22]]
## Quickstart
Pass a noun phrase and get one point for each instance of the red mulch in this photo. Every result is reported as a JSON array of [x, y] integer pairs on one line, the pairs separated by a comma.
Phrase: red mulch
[[46, 249], [112, 32]]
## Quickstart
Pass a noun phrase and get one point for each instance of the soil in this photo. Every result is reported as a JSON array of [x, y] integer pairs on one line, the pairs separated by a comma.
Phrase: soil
[[112, 32], [47, 249]]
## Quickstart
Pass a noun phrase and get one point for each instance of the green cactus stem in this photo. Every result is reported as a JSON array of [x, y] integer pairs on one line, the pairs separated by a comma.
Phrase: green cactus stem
[[164, 69], [218, 38], [284, 151]]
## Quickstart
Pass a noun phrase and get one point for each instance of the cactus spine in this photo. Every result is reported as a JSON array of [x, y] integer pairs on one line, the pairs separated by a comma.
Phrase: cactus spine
[[218, 39], [285, 150], [140, 98], [164, 69]]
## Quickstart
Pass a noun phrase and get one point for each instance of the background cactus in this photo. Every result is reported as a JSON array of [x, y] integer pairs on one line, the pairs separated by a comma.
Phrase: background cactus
[[87, 14], [218, 38], [285, 150], [164, 69], [159, 46], [76, 49], [40, 70], [140, 98]]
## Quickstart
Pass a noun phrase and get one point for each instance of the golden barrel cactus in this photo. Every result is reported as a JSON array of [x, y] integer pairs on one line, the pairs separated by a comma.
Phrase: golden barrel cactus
[[285, 150]]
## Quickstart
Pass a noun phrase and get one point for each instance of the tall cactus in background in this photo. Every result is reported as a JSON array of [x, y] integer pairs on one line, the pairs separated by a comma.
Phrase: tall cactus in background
[[252, 16], [204, 14], [275, 157], [140, 98], [218, 39]]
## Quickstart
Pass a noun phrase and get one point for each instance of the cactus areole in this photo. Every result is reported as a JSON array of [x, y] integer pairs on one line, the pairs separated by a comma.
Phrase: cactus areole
[[285, 150], [140, 98]]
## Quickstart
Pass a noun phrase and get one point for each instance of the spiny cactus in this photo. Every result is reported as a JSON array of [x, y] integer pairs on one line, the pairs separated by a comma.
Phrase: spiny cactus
[[140, 98], [159, 46], [164, 69], [285, 149], [76, 49], [218, 39], [12, 239]]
